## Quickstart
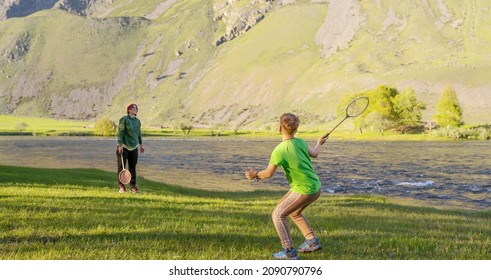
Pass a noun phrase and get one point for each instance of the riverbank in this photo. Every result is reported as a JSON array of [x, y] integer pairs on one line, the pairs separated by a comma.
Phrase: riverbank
[[78, 214], [449, 174], [25, 126]]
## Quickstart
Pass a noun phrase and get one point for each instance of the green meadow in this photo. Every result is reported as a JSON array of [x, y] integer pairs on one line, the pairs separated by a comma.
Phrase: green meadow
[[31, 126], [53, 214], [15, 125]]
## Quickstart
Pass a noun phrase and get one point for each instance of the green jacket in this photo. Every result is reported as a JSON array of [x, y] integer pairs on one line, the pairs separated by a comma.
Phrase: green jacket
[[129, 132]]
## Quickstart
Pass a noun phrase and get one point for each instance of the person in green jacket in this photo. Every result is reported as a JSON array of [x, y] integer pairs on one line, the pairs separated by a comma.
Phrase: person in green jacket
[[129, 142], [294, 156]]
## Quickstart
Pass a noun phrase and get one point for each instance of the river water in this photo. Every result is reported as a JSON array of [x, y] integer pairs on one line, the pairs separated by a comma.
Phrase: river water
[[450, 173]]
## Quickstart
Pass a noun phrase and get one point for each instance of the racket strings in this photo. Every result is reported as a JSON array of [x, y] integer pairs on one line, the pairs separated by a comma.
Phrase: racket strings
[[357, 107]]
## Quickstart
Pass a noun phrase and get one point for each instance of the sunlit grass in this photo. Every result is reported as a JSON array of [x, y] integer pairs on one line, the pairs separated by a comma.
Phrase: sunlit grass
[[78, 214], [15, 125]]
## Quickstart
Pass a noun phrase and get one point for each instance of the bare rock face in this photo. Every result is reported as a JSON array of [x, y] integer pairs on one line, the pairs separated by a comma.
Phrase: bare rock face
[[78, 7], [18, 48], [343, 20], [239, 19], [22, 8]]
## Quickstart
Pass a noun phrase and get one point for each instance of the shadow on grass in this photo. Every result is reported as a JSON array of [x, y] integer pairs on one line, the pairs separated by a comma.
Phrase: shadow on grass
[[149, 245], [87, 177], [181, 223], [379, 203]]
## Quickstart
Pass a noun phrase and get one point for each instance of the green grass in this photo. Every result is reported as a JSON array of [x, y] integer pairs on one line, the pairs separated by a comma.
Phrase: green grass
[[78, 214], [15, 125]]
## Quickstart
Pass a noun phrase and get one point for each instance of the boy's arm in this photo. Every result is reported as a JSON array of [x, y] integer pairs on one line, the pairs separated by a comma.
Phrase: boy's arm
[[263, 174], [314, 152]]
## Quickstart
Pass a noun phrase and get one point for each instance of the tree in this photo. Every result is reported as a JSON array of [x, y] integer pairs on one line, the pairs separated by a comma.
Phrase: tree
[[407, 108], [186, 128], [448, 110], [381, 110], [377, 122], [387, 109], [105, 127]]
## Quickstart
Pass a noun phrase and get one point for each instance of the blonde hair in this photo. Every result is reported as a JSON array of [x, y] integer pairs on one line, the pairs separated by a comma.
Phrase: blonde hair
[[289, 122]]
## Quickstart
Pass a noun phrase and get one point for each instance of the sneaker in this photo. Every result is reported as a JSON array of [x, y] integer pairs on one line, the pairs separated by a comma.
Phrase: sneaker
[[286, 254], [122, 189], [309, 246], [133, 189]]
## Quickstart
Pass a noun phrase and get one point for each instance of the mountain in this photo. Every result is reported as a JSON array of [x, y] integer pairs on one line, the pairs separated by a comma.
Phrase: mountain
[[22, 8], [237, 63]]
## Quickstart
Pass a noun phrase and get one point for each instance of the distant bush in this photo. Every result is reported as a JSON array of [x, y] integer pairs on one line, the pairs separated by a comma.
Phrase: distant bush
[[476, 133], [483, 133], [105, 127], [21, 126]]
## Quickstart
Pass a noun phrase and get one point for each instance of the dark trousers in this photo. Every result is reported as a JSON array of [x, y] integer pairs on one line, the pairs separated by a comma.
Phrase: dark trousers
[[130, 159]]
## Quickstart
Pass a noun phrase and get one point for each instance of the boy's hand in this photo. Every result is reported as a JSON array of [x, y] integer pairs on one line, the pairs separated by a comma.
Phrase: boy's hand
[[323, 139], [251, 173]]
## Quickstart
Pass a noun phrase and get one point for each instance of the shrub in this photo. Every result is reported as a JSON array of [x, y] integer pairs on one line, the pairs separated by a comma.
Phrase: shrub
[[463, 133], [105, 127], [483, 134], [21, 126]]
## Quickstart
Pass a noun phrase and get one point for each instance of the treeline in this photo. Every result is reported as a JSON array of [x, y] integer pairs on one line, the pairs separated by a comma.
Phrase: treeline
[[401, 111], [389, 110]]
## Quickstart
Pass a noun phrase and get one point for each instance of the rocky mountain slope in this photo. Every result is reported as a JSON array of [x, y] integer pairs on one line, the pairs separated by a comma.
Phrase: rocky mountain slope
[[22, 8], [237, 63]]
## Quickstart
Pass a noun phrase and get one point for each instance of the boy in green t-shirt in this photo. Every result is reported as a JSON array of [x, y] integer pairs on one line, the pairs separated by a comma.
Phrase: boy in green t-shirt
[[294, 156]]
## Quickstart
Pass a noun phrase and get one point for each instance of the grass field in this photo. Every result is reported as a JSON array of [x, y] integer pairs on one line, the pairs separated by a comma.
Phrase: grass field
[[78, 214], [15, 125]]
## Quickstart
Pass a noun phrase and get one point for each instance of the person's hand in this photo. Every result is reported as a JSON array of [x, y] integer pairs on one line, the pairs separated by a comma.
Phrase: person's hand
[[142, 150], [120, 149], [251, 173], [323, 139]]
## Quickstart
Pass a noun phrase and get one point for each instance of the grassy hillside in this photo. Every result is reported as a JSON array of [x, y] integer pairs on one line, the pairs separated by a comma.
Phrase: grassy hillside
[[300, 57], [255, 73], [67, 58], [78, 214]]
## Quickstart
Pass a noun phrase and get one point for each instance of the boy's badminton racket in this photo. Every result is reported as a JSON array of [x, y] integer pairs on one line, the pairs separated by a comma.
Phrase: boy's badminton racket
[[354, 109]]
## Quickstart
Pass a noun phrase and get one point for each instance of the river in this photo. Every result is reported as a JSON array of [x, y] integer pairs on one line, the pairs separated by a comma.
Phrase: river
[[450, 173]]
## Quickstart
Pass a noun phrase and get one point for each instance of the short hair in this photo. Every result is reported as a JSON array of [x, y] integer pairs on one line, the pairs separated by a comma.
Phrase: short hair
[[129, 107], [289, 122]]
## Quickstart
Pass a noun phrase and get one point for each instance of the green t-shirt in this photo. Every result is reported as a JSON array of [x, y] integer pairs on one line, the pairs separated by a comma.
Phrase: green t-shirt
[[293, 156], [129, 132]]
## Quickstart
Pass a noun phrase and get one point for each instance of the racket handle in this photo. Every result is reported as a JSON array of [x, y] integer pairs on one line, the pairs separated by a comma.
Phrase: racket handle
[[327, 134]]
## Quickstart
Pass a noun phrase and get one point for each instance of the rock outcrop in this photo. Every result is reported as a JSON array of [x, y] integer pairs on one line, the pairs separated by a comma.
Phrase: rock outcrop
[[239, 19], [22, 8]]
